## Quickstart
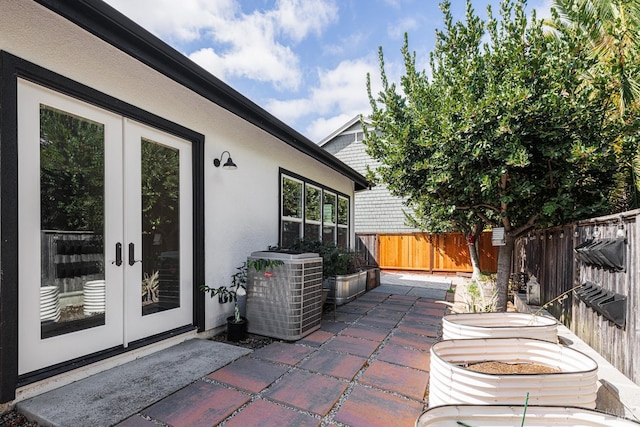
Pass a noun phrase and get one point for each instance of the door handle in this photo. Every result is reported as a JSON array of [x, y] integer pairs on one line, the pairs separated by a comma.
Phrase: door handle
[[132, 255], [118, 260]]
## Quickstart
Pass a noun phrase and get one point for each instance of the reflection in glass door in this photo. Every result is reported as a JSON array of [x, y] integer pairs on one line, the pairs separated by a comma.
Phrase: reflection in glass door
[[160, 173], [70, 204], [72, 290], [158, 230]]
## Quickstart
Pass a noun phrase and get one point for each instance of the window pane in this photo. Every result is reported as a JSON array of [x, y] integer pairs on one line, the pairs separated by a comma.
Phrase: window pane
[[343, 211], [291, 198], [343, 237], [328, 234], [312, 206], [290, 233], [312, 232], [72, 223], [329, 208], [160, 227]]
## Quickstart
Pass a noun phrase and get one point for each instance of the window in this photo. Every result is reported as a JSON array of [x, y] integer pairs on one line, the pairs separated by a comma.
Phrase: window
[[311, 211], [328, 217], [291, 211], [343, 221]]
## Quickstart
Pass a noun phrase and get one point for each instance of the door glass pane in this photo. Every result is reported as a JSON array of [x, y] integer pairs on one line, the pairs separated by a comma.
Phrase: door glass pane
[[72, 288], [160, 174]]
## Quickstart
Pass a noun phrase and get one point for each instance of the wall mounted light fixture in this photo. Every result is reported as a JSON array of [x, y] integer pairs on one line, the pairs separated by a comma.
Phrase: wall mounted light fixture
[[228, 164]]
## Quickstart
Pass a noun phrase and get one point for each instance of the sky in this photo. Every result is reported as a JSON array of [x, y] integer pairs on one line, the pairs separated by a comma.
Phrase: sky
[[304, 61]]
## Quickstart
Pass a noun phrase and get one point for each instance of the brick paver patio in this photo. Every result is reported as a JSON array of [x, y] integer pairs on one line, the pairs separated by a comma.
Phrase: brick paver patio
[[368, 367]]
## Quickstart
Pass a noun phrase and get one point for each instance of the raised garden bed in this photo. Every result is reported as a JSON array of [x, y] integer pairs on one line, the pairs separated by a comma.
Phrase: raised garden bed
[[573, 382], [505, 415], [499, 325]]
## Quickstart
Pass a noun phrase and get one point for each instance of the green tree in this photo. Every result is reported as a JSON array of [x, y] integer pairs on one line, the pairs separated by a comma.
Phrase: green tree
[[505, 130], [609, 30]]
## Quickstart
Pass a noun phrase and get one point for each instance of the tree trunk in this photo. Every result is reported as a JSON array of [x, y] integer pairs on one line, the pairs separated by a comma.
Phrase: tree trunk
[[504, 272], [475, 260]]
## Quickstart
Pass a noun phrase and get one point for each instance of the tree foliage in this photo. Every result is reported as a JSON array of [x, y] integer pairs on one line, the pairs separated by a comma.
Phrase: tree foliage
[[506, 128], [609, 30]]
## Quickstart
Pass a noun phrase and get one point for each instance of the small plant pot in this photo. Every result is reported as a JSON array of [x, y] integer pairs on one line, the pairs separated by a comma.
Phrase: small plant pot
[[236, 331]]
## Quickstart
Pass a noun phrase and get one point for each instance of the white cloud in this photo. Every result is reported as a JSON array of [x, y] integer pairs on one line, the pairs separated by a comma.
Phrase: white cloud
[[340, 95], [184, 20], [298, 18], [246, 45], [397, 29], [208, 59]]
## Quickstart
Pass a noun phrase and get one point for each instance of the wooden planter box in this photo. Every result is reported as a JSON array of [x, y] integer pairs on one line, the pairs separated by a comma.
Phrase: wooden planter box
[[373, 277]]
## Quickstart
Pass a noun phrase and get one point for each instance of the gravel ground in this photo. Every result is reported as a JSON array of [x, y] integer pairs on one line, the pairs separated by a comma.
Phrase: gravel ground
[[15, 419], [252, 342]]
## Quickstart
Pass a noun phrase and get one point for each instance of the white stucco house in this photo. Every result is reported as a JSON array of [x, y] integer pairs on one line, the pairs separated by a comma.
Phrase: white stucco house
[[109, 141]]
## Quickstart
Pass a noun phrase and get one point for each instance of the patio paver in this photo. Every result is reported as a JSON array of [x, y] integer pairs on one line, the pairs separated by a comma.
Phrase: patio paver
[[317, 338], [289, 354], [267, 414], [360, 331], [406, 339], [367, 407], [417, 359], [398, 379], [307, 391], [248, 374], [356, 346], [198, 404], [335, 364]]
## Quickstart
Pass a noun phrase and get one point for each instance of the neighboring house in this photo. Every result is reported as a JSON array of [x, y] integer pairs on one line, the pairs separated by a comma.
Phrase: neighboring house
[[383, 235], [109, 141], [376, 211]]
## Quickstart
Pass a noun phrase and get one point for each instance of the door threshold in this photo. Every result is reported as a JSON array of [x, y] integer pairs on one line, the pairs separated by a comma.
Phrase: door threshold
[[37, 387]]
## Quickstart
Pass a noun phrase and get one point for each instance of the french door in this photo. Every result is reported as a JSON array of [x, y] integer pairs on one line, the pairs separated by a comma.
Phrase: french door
[[105, 229]]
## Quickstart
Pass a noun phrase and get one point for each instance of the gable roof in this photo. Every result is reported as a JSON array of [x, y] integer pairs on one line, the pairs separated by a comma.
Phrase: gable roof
[[106, 23], [343, 128]]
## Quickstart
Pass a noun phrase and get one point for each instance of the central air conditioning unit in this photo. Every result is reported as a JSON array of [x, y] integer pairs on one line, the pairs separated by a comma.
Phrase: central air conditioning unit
[[285, 302]]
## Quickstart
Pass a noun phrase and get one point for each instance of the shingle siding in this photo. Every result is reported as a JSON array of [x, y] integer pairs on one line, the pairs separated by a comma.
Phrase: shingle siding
[[376, 210]]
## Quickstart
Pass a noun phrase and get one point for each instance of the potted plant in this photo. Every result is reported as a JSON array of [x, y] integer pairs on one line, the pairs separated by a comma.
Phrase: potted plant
[[236, 324]]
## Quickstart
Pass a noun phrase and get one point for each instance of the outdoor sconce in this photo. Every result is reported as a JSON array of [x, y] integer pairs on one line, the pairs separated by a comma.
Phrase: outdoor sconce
[[228, 164]]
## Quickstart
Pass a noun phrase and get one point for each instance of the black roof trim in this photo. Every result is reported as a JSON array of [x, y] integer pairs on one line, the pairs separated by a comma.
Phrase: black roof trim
[[106, 23]]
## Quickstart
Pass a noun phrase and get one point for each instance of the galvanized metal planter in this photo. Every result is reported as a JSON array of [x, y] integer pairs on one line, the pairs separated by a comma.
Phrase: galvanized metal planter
[[505, 415], [344, 288], [451, 382], [499, 325]]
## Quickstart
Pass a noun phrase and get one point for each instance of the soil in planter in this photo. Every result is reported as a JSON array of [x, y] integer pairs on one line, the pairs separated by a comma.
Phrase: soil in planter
[[493, 367]]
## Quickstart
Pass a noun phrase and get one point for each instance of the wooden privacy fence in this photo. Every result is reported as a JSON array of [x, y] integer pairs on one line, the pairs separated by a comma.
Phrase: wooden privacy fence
[[446, 252], [607, 319]]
